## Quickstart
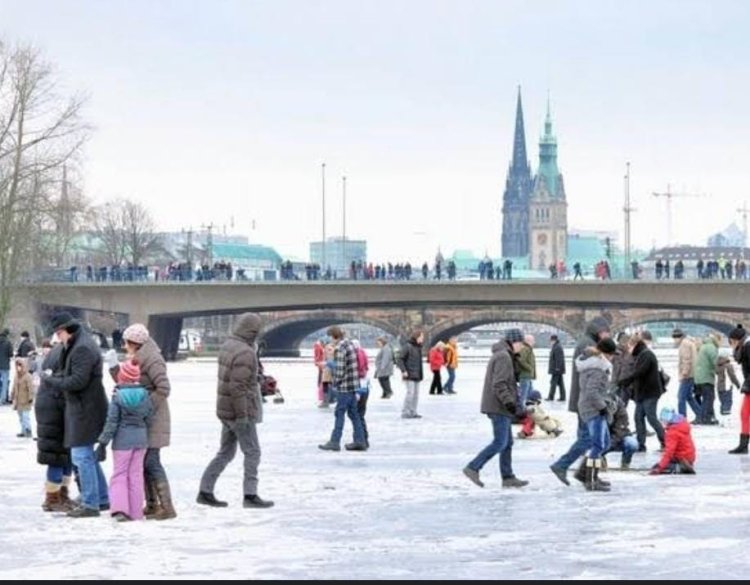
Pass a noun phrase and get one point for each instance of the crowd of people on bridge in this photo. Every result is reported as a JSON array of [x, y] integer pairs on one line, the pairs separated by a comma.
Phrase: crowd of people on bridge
[[76, 422]]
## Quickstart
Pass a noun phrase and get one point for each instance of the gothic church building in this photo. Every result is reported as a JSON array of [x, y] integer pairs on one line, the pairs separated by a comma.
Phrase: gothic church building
[[535, 211]]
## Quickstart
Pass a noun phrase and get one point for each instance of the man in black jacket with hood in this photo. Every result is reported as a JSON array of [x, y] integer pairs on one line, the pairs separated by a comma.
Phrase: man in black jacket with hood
[[6, 354]]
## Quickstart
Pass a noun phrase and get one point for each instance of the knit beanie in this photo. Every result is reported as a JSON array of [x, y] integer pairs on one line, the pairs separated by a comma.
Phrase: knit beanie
[[129, 373], [136, 333]]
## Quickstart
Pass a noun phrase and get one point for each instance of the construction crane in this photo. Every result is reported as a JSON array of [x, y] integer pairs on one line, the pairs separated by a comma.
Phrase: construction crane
[[668, 195]]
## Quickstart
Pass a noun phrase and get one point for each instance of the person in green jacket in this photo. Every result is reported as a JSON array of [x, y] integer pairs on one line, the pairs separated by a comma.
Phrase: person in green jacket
[[705, 379]]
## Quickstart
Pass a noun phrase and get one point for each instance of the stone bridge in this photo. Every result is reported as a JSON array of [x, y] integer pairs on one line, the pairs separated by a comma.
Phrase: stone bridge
[[294, 310]]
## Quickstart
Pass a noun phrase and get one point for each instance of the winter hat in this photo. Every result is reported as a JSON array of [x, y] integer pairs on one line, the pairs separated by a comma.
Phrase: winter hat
[[535, 397], [129, 373], [678, 333], [513, 335], [136, 333], [668, 415], [61, 320], [738, 333], [607, 346]]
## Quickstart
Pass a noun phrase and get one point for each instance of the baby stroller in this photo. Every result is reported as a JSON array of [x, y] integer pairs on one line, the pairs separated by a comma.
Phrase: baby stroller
[[269, 387]]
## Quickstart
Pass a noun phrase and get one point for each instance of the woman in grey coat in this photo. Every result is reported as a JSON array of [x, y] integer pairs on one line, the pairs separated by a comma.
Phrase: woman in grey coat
[[594, 369], [384, 366]]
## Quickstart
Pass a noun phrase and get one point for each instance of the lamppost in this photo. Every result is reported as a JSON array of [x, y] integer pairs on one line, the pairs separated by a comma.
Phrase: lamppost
[[343, 224], [323, 243]]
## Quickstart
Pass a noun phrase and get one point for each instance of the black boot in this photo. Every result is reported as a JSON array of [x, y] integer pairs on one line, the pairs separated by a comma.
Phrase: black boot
[[742, 447], [208, 499], [255, 502]]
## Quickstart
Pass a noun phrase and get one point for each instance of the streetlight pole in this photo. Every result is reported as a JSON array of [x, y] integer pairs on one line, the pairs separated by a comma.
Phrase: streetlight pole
[[627, 209], [323, 243], [343, 224]]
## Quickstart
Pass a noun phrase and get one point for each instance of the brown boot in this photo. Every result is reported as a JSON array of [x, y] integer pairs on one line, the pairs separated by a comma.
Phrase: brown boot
[[152, 501], [51, 502], [166, 511], [65, 500]]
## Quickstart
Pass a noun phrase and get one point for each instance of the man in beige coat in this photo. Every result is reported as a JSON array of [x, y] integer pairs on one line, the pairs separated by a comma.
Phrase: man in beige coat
[[239, 407], [686, 357]]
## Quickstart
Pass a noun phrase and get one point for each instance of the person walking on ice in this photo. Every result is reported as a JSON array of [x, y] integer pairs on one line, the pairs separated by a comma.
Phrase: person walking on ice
[[499, 403]]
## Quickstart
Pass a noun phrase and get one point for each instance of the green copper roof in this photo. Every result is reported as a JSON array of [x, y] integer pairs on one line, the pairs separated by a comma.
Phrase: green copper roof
[[548, 173], [238, 252]]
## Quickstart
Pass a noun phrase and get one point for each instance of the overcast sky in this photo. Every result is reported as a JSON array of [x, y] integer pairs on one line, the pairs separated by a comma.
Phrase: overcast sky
[[213, 110]]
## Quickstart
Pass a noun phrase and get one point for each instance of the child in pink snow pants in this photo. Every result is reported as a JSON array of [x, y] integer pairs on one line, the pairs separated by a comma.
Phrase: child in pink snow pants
[[126, 427]]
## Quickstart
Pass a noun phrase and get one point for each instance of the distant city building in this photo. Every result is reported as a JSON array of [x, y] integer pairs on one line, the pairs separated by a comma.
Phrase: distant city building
[[548, 210], [338, 254], [256, 261], [535, 213], [732, 237], [518, 187]]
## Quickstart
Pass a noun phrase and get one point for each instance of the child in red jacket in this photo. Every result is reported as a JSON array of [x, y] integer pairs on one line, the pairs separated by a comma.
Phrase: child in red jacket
[[436, 357], [679, 449]]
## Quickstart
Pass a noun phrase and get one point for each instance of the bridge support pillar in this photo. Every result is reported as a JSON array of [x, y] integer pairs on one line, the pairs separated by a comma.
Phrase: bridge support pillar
[[165, 331]]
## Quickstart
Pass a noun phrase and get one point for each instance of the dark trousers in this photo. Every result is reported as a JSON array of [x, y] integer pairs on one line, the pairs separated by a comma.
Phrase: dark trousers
[[556, 381], [153, 470], [437, 383], [708, 395], [725, 399], [362, 408], [646, 409], [385, 384]]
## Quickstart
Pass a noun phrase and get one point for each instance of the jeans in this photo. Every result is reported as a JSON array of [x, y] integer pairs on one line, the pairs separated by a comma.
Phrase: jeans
[[55, 474], [233, 434], [629, 446], [556, 381], [347, 405], [525, 386], [708, 396], [4, 382], [685, 397], [577, 449], [362, 410], [599, 433], [502, 444], [448, 387], [24, 417], [153, 470], [646, 409], [93, 484], [725, 401]]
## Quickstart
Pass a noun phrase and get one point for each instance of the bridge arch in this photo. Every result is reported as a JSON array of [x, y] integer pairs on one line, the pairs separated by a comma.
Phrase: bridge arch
[[572, 324], [283, 337], [722, 322]]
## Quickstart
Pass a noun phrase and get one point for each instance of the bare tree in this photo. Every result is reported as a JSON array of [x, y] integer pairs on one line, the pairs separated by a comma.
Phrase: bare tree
[[126, 231], [40, 131]]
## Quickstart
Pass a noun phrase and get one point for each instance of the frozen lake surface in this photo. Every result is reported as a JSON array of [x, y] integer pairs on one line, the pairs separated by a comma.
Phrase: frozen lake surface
[[403, 510]]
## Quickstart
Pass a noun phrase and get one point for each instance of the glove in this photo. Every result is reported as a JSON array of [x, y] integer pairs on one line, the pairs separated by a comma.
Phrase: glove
[[655, 470], [100, 452], [604, 412], [511, 407]]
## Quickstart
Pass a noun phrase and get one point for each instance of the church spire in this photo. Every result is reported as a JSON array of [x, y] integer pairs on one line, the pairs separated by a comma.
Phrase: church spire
[[520, 161]]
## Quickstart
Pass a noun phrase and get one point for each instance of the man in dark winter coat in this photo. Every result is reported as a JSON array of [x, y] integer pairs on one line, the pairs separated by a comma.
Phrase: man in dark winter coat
[[596, 330], [26, 346], [499, 403], [647, 388], [409, 361], [556, 369], [80, 380], [239, 407], [6, 354]]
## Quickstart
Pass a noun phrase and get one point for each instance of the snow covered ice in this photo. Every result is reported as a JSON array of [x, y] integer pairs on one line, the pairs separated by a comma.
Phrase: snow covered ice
[[403, 510]]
